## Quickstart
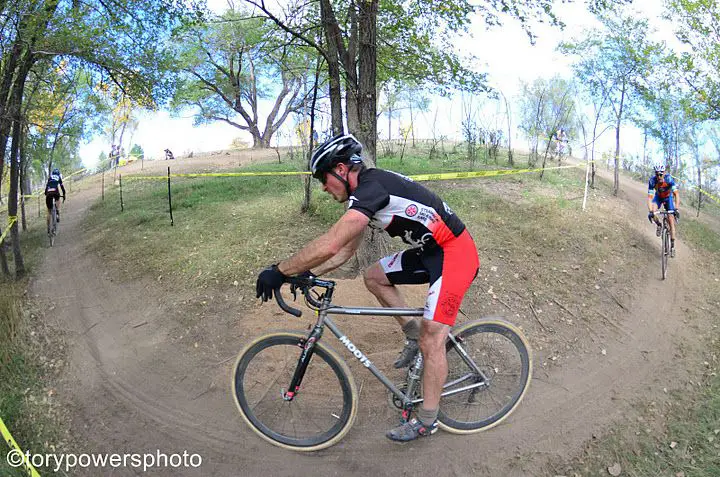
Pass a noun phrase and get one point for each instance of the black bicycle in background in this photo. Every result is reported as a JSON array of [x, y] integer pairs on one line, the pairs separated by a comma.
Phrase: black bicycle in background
[[297, 393], [53, 225]]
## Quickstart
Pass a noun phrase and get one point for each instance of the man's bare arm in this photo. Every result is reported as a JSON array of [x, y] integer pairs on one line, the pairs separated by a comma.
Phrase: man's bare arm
[[342, 257], [328, 245]]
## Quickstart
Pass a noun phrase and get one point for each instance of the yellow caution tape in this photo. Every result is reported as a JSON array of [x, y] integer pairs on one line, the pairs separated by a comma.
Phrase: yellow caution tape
[[76, 172], [708, 194], [11, 220], [222, 174], [696, 187], [16, 457], [490, 173], [418, 177]]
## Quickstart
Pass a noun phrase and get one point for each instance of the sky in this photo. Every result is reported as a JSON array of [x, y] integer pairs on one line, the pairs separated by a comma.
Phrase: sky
[[506, 55]]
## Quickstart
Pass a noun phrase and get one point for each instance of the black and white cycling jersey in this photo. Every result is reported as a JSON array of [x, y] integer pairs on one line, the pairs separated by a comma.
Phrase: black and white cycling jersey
[[412, 212]]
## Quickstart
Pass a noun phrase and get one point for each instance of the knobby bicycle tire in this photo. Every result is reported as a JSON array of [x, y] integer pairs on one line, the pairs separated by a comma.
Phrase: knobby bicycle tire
[[665, 251], [324, 408], [487, 342], [53, 224]]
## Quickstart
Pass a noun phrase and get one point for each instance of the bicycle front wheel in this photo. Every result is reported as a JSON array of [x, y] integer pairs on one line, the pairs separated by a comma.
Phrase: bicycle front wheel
[[321, 412], [665, 251], [489, 371]]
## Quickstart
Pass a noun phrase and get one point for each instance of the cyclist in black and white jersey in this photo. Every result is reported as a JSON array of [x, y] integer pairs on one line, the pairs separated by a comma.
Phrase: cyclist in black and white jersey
[[443, 254], [52, 193]]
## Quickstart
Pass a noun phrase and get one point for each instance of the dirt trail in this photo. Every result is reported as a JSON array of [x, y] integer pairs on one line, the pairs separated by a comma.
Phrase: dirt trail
[[134, 383]]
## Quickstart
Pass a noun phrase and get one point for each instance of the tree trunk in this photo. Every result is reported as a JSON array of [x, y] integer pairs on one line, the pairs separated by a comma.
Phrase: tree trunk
[[677, 147], [24, 182], [13, 193], [616, 188], [374, 246], [259, 142], [328, 19], [511, 163], [390, 113], [350, 65], [311, 140], [8, 72], [412, 125], [15, 111], [545, 155], [699, 180], [367, 92], [592, 152], [616, 175], [3, 258]]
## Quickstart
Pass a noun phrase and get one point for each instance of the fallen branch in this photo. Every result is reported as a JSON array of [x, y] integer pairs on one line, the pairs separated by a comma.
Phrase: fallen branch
[[506, 305], [610, 322], [210, 388], [616, 300], [223, 361], [538, 319], [561, 306]]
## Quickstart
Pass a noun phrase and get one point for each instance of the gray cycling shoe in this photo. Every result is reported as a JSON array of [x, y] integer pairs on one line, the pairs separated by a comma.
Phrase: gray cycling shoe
[[407, 355], [411, 430], [672, 252]]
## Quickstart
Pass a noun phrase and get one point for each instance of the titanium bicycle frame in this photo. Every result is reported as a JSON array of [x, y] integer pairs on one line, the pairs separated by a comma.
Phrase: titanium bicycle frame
[[325, 307]]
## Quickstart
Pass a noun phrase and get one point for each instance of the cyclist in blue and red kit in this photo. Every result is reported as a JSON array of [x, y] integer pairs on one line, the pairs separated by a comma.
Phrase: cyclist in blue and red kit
[[662, 191], [443, 254]]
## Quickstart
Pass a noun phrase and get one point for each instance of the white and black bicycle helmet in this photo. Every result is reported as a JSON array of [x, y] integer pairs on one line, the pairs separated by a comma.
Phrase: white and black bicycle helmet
[[659, 167], [341, 148]]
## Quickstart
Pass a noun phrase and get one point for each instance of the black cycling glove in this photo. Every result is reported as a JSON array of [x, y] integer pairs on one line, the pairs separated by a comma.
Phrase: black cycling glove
[[269, 279], [650, 216]]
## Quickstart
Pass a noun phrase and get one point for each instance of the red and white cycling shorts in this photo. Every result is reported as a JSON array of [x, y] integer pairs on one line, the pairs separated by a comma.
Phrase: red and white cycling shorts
[[450, 268]]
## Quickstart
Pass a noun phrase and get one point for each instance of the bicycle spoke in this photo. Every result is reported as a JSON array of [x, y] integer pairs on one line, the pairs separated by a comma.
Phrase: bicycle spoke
[[503, 363], [319, 411]]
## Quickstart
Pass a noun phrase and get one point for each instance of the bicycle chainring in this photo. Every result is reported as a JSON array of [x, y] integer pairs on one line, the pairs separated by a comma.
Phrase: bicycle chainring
[[394, 400]]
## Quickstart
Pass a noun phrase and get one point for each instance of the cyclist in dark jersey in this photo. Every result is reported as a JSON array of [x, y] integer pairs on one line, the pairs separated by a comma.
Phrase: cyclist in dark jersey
[[443, 254], [52, 192], [662, 191]]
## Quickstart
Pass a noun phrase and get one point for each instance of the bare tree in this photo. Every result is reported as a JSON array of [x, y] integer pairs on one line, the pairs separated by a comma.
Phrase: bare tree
[[508, 115]]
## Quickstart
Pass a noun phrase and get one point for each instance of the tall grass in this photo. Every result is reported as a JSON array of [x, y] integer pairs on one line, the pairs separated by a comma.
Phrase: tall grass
[[24, 404], [700, 235]]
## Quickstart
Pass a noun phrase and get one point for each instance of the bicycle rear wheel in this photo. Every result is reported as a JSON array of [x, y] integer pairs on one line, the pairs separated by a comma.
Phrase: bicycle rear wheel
[[501, 354], [322, 411], [53, 224], [665, 250]]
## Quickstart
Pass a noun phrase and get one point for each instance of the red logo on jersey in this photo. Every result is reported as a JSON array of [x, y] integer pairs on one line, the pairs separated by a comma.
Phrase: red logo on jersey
[[411, 210], [392, 260]]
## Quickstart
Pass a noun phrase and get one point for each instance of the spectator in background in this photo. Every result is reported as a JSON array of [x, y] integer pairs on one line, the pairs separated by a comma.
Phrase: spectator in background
[[169, 154], [113, 156], [562, 139]]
